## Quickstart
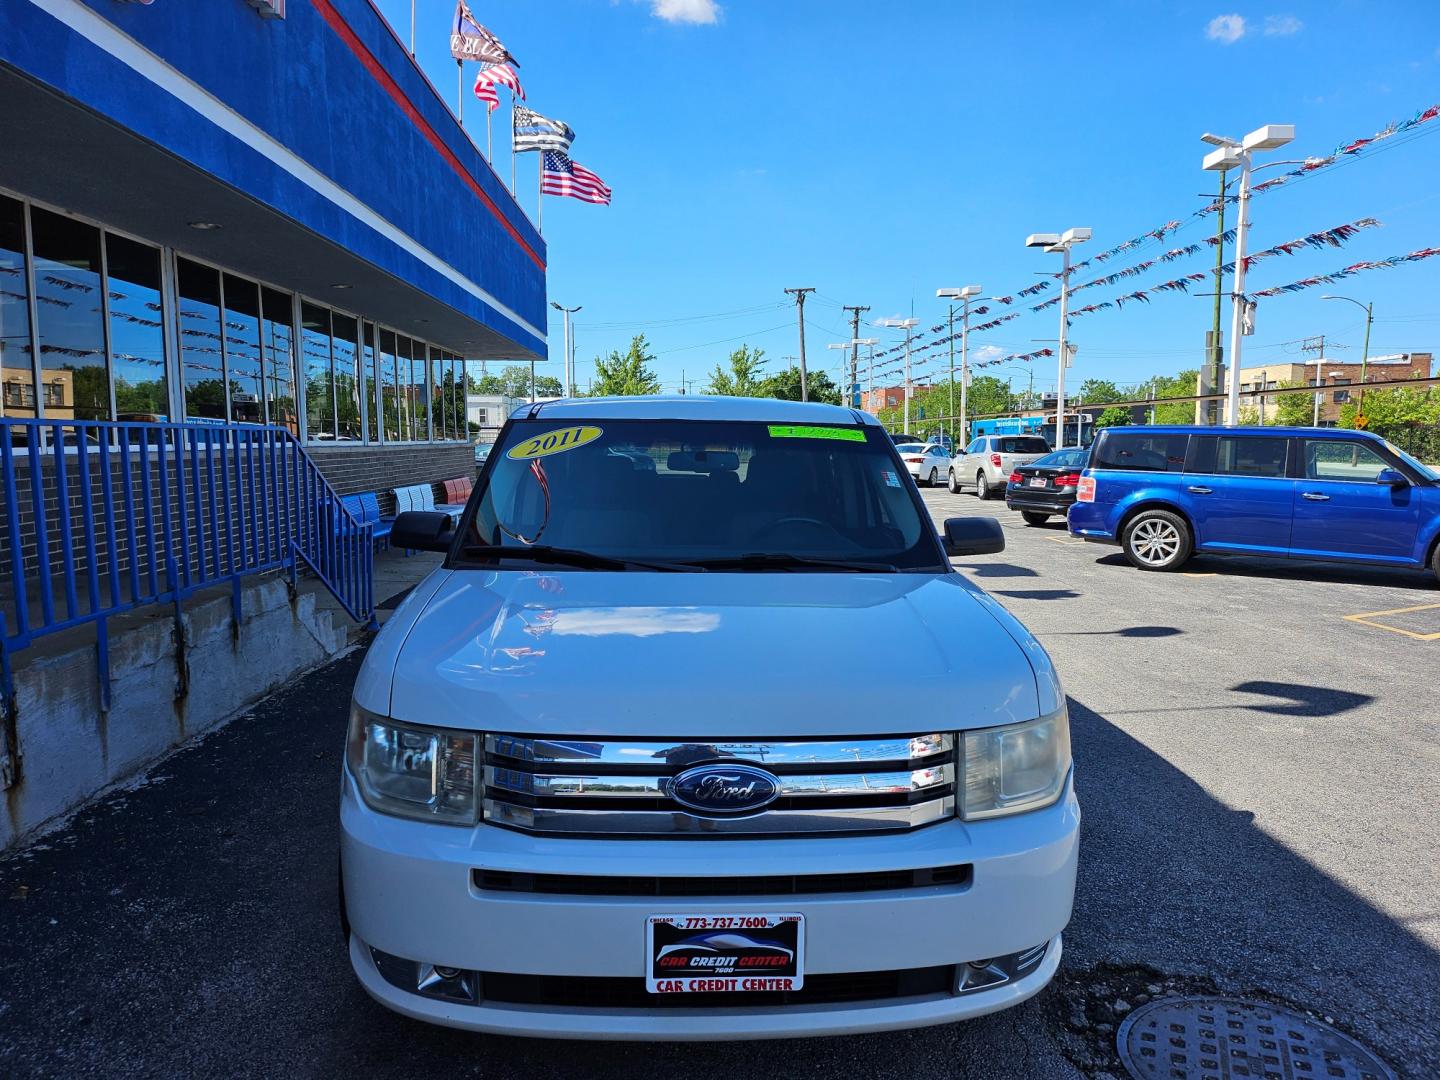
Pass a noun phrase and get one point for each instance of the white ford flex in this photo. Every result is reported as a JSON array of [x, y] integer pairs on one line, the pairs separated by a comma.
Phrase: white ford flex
[[642, 760]]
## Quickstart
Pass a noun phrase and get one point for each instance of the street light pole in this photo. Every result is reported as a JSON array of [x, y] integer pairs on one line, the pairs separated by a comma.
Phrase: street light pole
[[1061, 243], [964, 295], [1228, 155], [1369, 310], [569, 371], [907, 325]]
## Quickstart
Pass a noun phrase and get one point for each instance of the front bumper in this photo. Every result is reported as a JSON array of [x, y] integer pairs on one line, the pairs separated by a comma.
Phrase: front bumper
[[410, 892]]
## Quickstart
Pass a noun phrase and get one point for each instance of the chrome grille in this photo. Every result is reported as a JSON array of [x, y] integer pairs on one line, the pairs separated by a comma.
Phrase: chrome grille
[[619, 787]]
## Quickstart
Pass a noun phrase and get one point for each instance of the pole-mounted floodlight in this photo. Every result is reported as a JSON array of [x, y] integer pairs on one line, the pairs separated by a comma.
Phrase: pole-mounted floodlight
[[1061, 243], [964, 294], [1042, 239], [1231, 155], [907, 325]]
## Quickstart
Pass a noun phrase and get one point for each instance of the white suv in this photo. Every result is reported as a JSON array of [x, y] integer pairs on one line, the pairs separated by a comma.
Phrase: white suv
[[989, 460], [638, 761]]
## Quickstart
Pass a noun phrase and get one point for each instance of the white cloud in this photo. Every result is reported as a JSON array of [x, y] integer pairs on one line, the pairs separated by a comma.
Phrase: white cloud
[[988, 352], [1282, 25], [686, 11], [1226, 29]]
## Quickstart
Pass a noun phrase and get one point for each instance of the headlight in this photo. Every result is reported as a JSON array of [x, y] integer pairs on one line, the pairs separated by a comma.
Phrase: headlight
[[414, 771], [1009, 770]]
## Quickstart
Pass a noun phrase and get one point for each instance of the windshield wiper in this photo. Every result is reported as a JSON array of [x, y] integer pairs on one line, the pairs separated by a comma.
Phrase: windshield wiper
[[545, 553], [783, 560]]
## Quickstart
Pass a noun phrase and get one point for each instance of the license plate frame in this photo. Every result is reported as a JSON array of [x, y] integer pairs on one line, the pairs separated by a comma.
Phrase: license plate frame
[[1039, 482], [739, 953]]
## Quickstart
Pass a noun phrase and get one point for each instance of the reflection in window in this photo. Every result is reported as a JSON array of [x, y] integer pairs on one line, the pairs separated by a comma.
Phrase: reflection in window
[[137, 330], [242, 349], [367, 366], [347, 394], [319, 393], [277, 340], [71, 316], [440, 390], [202, 363], [419, 389], [17, 372], [389, 386], [403, 349]]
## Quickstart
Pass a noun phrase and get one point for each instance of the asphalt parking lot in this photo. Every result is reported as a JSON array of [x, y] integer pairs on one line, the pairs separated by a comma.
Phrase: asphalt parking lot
[[1257, 747]]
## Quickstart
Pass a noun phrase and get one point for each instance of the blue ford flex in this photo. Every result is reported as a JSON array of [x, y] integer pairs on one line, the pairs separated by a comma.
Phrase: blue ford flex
[[1164, 493]]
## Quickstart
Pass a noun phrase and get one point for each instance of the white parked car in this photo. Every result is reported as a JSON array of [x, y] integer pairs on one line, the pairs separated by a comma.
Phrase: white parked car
[[641, 760], [925, 462], [989, 460]]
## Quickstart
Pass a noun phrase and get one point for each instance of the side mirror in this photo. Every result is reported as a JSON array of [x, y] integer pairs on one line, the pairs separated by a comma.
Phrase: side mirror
[[1392, 478], [973, 536], [422, 530]]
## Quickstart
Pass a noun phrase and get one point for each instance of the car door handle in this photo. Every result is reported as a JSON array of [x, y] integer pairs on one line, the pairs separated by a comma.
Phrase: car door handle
[[1198, 490], [1315, 496]]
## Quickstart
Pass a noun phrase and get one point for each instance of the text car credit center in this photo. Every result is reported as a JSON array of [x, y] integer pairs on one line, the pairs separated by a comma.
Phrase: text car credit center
[[639, 760]]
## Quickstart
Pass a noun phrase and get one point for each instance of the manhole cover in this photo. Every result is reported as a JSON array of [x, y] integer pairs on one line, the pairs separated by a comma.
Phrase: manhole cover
[[1214, 1038]]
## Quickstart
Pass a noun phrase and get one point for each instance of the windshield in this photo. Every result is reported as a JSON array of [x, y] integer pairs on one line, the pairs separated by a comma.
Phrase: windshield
[[1427, 471], [1023, 445], [681, 494], [910, 448]]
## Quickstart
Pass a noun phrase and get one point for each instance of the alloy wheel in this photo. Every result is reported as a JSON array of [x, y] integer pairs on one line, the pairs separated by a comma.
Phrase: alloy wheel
[[1155, 541]]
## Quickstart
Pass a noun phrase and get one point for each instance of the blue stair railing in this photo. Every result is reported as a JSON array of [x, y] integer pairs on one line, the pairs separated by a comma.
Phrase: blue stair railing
[[100, 518]]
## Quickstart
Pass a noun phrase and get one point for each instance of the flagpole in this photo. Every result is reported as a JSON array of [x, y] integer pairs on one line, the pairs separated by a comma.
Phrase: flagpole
[[460, 89], [540, 192], [489, 140], [412, 27], [512, 142]]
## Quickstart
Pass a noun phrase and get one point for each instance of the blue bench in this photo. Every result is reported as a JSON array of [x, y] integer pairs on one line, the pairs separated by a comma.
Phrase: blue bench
[[365, 508], [422, 497]]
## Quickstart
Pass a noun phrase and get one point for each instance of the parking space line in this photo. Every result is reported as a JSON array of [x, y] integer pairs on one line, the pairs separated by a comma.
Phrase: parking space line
[[1066, 540], [1367, 618], [1198, 573]]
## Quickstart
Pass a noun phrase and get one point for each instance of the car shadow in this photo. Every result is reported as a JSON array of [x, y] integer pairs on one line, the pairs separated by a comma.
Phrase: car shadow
[[1299, 699], [1297, 570], [1125, 632], [998, 570], [1036, 594]]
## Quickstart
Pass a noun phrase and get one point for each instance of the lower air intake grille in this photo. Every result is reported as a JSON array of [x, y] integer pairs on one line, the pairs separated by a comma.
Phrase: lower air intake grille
[[953, 877], [618, 993]]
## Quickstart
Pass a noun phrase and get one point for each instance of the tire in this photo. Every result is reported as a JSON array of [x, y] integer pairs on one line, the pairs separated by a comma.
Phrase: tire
[[982, 486], [1435, 562], [1157, 540], [1034, 517], [953, 483], [934, 477]]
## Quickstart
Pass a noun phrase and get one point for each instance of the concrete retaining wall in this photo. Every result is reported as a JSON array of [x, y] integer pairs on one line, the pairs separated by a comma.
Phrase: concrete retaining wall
[[70, 749]]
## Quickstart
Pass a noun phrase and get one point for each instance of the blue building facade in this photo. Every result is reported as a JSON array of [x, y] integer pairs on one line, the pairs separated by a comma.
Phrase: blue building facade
[[251, 211]]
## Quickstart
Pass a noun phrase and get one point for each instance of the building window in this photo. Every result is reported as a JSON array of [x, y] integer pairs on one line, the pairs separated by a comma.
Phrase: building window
[[242, 350], [319, 391], [368, 360], [202, 361], [70, 312], [137, 330], [277, 343], [389, 386], [17, 370], [345, 347], [419, 392]]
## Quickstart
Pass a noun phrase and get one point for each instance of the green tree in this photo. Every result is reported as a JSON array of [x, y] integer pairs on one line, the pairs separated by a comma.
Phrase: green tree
[[1392, 408], [1293, 410], [1114, 416], [1100, 392], [1181, 384], [627, 373], [514, 381], [744, 379], [785, 385]]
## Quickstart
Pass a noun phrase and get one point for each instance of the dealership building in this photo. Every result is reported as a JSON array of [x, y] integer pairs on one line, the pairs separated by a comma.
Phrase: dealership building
[[248, 212]]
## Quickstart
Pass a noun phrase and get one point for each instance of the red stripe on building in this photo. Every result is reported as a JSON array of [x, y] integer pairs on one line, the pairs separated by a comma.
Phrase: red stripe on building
[[391, 87]]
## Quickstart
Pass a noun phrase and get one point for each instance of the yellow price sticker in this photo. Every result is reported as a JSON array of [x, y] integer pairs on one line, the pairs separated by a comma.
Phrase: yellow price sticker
[[554, 442]]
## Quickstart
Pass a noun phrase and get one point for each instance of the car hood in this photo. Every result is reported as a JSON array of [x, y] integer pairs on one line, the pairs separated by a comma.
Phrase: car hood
[[703, 655]]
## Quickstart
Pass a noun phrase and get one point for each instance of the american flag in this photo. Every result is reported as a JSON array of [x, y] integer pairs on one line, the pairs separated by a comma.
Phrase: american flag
[[536, 132], [565, 177], [492, 75]]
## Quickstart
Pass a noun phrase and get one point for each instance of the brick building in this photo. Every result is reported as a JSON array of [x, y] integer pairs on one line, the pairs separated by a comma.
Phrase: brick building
[[1339, 377]]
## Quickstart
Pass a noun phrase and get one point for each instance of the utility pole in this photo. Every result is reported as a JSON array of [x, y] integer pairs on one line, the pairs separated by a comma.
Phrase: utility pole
[[1317, 346], [1209, 409], [852, 392], [799, 295]]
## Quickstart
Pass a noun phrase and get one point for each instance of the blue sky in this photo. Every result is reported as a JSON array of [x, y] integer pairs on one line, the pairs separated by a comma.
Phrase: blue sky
[[879, 151]]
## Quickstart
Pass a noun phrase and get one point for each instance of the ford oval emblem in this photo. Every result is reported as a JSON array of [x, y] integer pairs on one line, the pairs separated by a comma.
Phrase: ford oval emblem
[[724, 789]]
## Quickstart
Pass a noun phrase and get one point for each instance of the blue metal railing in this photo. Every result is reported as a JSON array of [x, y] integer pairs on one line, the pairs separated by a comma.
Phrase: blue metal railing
[[100, 518]]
